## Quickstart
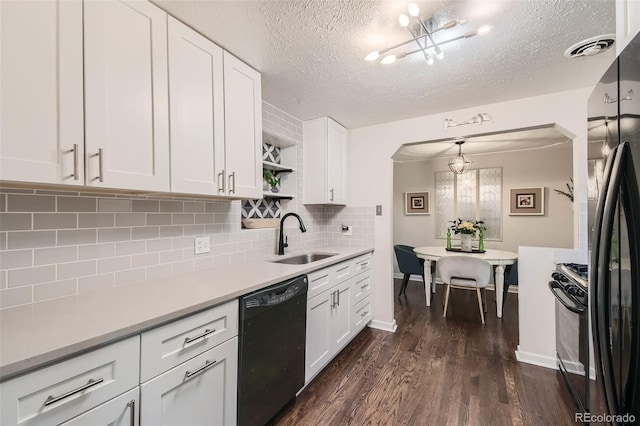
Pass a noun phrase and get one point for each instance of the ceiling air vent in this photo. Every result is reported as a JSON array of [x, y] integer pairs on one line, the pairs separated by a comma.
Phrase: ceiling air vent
[[591, 46]]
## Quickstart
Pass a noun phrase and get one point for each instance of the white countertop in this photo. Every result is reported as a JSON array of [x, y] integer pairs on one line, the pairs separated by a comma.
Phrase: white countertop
[[39, 334]]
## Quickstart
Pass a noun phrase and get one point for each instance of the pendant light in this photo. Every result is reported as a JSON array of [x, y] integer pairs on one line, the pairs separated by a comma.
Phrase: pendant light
[[461, 162]]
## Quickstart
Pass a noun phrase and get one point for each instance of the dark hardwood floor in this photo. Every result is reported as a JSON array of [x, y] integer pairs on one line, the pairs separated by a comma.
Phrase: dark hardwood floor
[[434, 371]]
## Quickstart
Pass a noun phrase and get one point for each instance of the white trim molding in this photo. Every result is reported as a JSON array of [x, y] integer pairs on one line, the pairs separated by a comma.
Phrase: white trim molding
[[385, 326], [536, 359]]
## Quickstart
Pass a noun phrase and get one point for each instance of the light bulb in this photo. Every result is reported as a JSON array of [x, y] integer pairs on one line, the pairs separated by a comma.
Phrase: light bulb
[[439, 54], [428, 58], [389, 59], [414, 10], [484, 29], [372, 56], [404, 20]]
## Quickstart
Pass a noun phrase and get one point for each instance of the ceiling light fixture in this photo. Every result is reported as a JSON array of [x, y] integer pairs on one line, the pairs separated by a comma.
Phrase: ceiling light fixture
[[422, 33], [480, 118], [460, 163]]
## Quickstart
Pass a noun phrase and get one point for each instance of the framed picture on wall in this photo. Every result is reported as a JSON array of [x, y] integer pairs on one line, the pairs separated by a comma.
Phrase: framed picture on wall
[[526, 201], [416, 203]]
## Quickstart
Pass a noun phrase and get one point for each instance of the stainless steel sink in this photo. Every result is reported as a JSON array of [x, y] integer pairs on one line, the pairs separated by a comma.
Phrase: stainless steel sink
[[302, 259]]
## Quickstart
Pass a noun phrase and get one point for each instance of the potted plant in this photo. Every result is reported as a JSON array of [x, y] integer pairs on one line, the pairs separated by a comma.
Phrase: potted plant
[[467, 230], [271, 180]]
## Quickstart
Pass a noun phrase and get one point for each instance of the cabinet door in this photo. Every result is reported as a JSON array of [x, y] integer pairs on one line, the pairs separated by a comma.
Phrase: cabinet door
[[243, 128], [126, 88], [120, 411], [201, 391], [318, 349], [41, 92], [196, 112], [336, 163], [341, 316]]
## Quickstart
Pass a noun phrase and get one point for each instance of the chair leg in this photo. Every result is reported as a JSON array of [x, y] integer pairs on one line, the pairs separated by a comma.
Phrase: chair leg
[[480, 304], [446, 299], [484, 296], [403, 287]]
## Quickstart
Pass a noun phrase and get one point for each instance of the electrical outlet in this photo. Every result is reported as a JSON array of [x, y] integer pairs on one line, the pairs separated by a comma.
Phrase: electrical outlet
[[202, 245], [347, 230], [378, 210]]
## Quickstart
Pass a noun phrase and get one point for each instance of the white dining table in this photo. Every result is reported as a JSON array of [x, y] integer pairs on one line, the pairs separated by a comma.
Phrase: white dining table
[[497, 258]]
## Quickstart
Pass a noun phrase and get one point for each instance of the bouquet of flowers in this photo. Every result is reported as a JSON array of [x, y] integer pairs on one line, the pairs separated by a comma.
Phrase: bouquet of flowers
[[466, 226]]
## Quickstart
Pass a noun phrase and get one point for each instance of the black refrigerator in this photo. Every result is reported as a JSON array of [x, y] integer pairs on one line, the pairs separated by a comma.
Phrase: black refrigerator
[[614, 221]]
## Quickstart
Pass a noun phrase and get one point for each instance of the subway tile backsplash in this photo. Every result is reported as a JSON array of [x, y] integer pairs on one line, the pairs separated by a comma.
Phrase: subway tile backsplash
[[60, 243]]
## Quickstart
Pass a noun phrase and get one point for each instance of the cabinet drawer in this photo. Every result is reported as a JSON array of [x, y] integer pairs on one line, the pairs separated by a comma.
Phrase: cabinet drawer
[[165, 347], [201, 391], [361, 287], [362, 263], [60, 392], [320, 281], [362, 314]]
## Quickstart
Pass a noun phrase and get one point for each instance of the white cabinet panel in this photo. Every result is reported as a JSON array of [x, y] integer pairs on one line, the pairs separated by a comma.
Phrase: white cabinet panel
[[201, 391], [361, 315], [196, 112], [41, 119], [341, 316], [318, 345], [62, 391], [120, 411], [325, 162], [243, 128], [126, 90], [627, 22]]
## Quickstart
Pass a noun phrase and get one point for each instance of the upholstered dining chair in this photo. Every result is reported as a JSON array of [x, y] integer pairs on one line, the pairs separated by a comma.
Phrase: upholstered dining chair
[[464, 272], [409, 264]]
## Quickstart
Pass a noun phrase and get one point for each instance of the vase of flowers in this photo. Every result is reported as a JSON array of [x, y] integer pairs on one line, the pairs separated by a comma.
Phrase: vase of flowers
[[467, 231]]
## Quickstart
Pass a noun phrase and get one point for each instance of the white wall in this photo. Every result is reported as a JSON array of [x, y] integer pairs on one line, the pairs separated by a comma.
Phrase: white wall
[[550, 168], [371, 167]]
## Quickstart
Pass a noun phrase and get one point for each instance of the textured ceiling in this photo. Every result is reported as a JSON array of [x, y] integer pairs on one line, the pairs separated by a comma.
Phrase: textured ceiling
[[310, 52]]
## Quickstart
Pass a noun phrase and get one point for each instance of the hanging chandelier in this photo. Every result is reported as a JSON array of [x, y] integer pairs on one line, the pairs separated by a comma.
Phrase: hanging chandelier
[[460, 163], [422, 34]]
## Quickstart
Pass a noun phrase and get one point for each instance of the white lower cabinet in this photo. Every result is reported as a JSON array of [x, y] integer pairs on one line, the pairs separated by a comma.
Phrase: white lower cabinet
[[56, 394], [201, 391], [120, 411], [335, 316]]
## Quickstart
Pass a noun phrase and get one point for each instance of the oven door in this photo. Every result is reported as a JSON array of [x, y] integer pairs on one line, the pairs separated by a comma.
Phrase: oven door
[[572, 345]]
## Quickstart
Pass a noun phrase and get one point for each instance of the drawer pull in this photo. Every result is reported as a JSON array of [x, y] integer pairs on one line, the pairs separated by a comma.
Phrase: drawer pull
[[364, 264], [364, 314], [364, 286], [206, 365], [132, 412], [205, 334], [91, 383]]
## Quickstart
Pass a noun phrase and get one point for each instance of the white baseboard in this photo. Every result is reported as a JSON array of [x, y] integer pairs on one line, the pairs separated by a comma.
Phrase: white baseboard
[[537, 359], [385, 326]]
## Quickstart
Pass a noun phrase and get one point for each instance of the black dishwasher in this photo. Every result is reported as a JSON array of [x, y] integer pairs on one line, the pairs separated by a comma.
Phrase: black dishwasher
[[273, 324]]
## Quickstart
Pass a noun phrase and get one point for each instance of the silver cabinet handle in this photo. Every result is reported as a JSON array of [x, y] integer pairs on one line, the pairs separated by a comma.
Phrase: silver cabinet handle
[[100, 156], [364, 264], [75, 162], [221, 180], [364, 286], [206, 365], [333, 299], [132, 413], [53, 399], [364, 314], [200, 336], [331, 191], [338, 296], [232, 188]]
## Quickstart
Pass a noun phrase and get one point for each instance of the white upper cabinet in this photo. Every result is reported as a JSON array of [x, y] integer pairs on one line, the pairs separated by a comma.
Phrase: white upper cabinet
[[41, 122], [243, 129], [627, 22], [196, 112], [126, 91], [325, 162]]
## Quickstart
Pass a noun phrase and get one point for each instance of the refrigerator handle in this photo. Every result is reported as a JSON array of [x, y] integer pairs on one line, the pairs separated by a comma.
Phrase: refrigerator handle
[[601, 278]]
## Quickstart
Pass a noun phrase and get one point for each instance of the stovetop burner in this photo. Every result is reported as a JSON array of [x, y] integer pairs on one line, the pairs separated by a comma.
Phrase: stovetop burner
[[576, 273]]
